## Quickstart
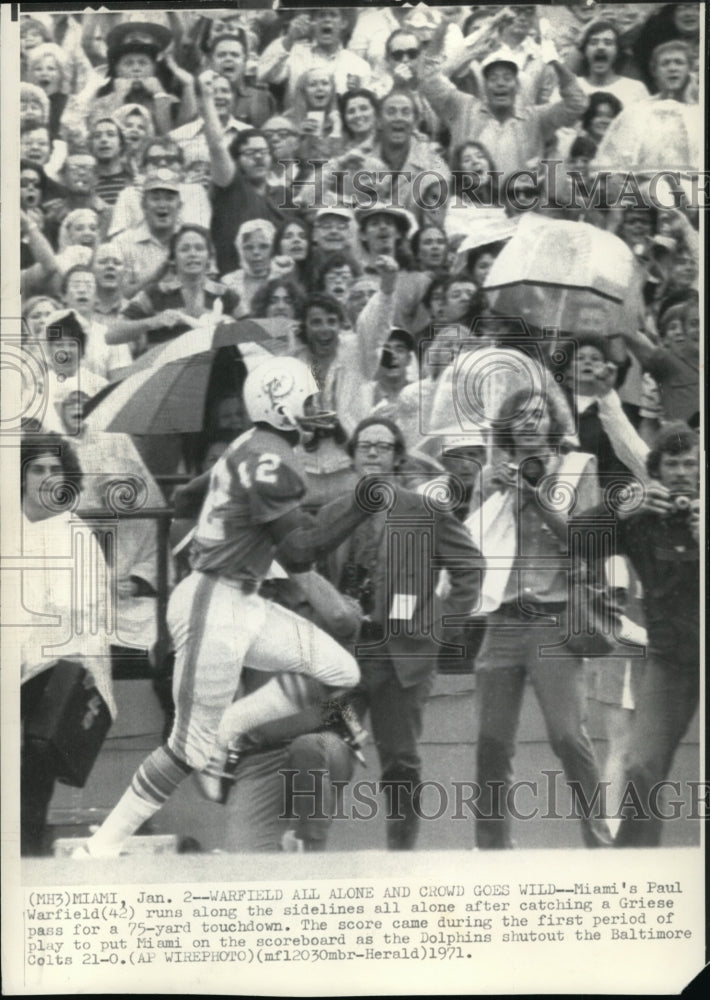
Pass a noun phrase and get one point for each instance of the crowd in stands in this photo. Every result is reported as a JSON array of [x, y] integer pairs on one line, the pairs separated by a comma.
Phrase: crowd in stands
[[351, 180]]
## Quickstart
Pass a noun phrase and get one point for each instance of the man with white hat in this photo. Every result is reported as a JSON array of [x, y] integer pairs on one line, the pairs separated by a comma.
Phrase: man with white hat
[[515, 134], [145, 246]]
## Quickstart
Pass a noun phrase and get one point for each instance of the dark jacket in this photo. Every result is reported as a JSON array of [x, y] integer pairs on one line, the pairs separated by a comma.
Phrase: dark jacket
[[416, 541], [667, 559]]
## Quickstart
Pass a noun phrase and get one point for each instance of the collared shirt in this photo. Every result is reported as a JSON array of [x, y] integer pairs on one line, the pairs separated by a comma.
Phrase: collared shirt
[[542, 567], [278, 65], [423, 163], [515, 142], [143, 253]]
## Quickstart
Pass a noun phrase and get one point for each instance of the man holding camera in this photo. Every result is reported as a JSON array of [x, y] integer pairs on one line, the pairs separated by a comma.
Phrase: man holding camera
[[661, 538]]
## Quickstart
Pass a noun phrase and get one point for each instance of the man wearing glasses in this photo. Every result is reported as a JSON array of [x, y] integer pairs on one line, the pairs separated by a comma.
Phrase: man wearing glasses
[[314, 42], [402, 51], [240, 174], [391, 568]]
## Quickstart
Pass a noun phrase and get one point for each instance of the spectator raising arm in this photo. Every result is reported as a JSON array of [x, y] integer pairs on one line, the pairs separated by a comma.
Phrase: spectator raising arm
[[223, 166]]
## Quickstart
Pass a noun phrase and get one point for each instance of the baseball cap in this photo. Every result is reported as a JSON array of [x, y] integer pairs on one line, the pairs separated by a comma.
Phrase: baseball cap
[[162, 180], [340, 210], [498, 59]]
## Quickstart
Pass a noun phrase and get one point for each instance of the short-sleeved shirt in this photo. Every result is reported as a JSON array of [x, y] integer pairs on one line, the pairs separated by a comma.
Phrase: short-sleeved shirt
[[255, 482]]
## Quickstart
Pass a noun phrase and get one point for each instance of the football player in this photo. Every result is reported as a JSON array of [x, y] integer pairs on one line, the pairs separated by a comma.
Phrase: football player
[[217, 619]]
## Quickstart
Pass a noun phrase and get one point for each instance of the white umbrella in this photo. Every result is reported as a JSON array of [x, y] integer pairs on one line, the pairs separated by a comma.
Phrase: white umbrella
[[651, 136], [562, 275]]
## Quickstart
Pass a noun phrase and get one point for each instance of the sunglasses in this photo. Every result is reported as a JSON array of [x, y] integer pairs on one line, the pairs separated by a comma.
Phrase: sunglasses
[[399, 55]]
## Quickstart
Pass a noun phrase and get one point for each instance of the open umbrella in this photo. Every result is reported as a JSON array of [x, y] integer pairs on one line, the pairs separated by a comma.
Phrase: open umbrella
[[568, 276], [165, 391], [652, 136]]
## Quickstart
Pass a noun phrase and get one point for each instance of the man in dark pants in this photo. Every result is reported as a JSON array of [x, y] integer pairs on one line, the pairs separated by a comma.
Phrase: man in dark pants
[[661, 538], [392, 570]]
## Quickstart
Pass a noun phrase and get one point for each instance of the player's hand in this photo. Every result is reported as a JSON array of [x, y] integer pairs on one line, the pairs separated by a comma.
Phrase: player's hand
[[127, 588]]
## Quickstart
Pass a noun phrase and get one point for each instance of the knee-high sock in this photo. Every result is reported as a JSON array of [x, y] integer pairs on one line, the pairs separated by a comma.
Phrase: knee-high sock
[[283, 695], [152, 785]]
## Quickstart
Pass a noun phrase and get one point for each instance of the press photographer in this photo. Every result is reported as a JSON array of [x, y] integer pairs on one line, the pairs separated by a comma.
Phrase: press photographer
[[661, 538]]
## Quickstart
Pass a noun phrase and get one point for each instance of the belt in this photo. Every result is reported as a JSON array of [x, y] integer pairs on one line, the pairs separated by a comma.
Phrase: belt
[[247, 586]]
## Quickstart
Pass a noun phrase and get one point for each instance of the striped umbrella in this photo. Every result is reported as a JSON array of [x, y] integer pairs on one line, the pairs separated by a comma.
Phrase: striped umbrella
[[165, 390]]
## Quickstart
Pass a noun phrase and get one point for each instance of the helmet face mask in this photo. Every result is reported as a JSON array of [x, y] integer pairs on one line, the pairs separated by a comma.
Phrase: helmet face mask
[[282, 392], [315, 419]]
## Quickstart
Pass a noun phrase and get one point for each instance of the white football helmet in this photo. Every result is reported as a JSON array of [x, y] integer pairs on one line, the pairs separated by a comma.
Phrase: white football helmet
[[283, 393]]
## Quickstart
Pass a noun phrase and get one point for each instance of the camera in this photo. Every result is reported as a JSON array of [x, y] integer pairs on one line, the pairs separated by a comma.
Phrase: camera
[[681, 504]]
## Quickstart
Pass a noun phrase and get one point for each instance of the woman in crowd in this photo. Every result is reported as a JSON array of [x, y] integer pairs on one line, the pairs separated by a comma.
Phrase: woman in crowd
[[359, 111], [48, 68], [315, 113], [255, 245], [33, 187], [474, 188], [603, 109], [175, 302], [35, 312], [281, 301], [293, 239], [136, 124], [79, 235]]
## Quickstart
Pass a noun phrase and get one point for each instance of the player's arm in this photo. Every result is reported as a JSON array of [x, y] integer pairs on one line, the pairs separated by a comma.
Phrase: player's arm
[[301, 539]]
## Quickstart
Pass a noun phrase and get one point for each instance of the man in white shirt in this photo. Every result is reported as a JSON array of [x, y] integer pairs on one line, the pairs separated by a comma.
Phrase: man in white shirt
[[313, 43], [145, 246], [601, 51]]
